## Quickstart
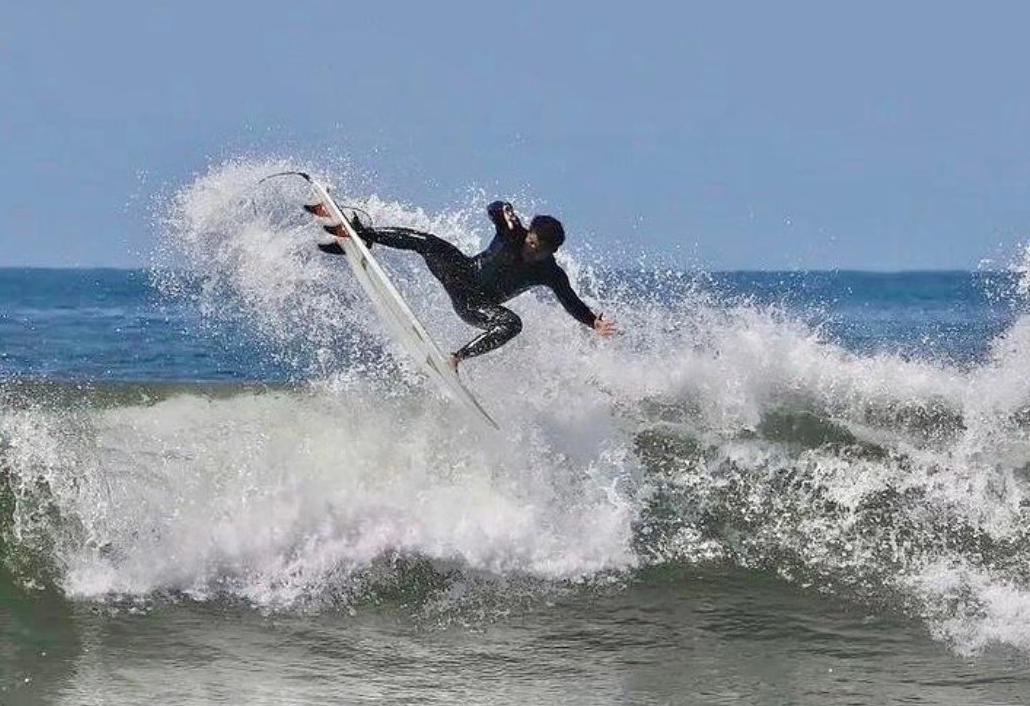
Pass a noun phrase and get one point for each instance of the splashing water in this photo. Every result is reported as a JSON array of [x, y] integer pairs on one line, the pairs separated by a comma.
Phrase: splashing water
[[708, 431]]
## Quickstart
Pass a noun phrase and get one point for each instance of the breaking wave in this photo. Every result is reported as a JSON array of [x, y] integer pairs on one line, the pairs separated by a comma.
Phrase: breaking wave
[[711, 430]]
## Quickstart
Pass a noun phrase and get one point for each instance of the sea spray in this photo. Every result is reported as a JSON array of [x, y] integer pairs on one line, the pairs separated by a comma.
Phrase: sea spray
[[715, 428]]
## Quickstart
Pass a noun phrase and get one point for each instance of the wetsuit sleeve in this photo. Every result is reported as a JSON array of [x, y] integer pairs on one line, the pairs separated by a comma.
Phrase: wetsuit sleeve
[[559, 284], [496, 213]]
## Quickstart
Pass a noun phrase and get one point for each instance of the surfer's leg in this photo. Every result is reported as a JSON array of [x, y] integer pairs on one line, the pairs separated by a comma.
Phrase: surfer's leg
[[440, 255], [501, 325], [452, 267], [404, 239]]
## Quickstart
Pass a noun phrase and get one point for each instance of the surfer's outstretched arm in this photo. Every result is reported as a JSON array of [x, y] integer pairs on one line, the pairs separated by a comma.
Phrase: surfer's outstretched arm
[[576, 307]]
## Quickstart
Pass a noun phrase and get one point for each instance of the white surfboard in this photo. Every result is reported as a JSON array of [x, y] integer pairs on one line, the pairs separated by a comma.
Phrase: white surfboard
[[402, 322]]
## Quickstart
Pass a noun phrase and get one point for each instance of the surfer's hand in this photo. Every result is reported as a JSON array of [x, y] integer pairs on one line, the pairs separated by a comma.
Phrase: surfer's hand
[[604, 326], [508, 211]]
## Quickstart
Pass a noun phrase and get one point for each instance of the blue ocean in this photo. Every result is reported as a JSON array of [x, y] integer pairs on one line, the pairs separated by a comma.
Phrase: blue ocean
[[221, 482]]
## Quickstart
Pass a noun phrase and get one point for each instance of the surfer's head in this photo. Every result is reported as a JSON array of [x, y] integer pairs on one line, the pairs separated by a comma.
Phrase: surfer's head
[[545, 236]]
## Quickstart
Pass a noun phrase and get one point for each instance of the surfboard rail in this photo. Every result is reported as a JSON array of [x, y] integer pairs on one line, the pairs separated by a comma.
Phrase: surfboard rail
[[392, 308]]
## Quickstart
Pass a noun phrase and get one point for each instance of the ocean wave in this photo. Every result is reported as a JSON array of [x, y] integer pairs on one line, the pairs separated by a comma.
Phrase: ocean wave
[[712, 430]]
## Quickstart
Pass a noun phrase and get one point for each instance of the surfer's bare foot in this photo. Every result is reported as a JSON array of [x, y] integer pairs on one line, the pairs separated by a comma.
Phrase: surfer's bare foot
[[453, 362]]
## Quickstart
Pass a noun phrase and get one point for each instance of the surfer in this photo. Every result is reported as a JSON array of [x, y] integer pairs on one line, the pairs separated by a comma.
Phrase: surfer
[[515, 260]]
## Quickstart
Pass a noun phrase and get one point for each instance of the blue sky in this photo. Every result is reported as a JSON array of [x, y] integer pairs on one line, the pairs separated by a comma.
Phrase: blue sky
[[727, 135]]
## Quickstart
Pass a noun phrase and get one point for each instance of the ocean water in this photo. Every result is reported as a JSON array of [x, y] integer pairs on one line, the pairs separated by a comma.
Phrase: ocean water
[[221, 483]]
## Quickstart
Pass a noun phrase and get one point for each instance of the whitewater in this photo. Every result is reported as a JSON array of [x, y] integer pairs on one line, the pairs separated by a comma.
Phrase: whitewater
[[717, 430]]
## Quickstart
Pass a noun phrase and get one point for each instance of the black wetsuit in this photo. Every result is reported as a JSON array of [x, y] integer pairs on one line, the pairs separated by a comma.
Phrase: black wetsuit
[[478, 285]]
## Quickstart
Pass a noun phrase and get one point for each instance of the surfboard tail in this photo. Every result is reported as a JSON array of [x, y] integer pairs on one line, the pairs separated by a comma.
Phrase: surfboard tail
[[407, 330], [319, 205], [318, 208]]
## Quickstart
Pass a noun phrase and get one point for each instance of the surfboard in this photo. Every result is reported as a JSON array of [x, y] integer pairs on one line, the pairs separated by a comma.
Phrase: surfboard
[[394, 311]]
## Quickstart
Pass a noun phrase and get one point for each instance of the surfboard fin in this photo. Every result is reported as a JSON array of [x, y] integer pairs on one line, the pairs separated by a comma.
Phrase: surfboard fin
[[316, 209], [332, 248], [337, 230]]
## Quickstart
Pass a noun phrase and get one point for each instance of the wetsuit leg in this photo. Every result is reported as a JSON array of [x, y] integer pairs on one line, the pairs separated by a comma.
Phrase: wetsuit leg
[[402, 238], [452, 267], [501, 324], [457, 273]]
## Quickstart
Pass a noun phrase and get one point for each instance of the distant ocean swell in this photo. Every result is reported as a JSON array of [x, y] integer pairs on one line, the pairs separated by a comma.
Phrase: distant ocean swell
[[716, 429]]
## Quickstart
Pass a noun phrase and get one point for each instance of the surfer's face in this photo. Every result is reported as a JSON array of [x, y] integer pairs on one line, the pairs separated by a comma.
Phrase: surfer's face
[[533, 248]]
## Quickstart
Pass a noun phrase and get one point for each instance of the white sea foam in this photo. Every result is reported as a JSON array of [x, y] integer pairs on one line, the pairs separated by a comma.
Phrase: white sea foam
[[272, 496], [278, 496]]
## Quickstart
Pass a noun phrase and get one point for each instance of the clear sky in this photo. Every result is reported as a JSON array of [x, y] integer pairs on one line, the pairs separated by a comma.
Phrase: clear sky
[[733, 135]]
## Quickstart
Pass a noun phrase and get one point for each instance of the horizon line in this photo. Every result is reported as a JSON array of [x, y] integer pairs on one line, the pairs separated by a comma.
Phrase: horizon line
[[839, 270]]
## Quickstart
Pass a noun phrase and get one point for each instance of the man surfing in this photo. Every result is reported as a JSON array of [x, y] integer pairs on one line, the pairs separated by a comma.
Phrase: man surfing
[[517, 259]]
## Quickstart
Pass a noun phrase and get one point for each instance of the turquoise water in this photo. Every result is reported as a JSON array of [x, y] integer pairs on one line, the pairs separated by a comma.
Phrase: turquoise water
[[219, 483]]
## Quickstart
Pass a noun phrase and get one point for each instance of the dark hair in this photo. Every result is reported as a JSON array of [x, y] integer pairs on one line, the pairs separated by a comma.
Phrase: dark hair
[[549, 230]]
